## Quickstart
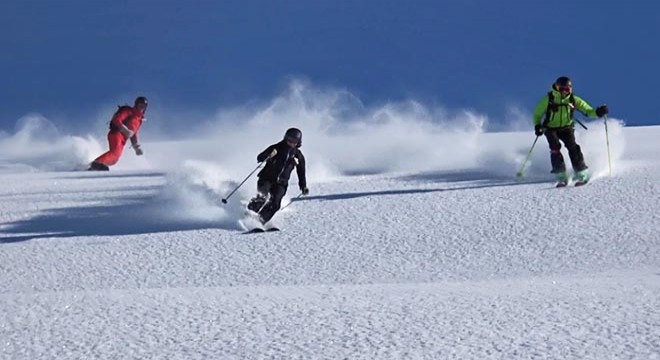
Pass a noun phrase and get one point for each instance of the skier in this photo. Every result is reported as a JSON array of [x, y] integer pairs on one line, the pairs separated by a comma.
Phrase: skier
[[558, 107], [273, 181], [124, 125]]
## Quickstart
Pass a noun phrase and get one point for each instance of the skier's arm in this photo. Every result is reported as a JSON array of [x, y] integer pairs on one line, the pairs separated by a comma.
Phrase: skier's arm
[[265, 154], [122, 121], [135, 143], [584, 107], [118, 120], [540, 110], [132, 127]]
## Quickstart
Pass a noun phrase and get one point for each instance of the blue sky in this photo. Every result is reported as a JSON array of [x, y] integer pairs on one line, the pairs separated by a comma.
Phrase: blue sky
[[65, 58]]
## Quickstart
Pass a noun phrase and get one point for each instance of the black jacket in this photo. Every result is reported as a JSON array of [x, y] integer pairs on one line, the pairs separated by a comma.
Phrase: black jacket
[[279, 168]]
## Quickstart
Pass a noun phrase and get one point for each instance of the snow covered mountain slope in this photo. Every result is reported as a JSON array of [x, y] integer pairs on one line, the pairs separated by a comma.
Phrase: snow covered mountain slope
[[462, 262]]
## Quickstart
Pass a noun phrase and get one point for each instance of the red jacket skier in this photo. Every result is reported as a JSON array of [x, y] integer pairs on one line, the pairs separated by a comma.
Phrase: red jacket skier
[[124, 125]]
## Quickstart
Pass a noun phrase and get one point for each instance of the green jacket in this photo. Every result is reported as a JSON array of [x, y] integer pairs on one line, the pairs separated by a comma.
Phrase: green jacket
[[563, 116]]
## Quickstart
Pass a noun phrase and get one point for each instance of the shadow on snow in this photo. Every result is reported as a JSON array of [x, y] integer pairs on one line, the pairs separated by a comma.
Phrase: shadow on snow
[[477, 179], [142, 215]]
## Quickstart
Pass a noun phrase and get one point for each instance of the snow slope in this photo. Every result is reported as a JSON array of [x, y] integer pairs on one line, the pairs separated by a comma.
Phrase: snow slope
[[398, 253]]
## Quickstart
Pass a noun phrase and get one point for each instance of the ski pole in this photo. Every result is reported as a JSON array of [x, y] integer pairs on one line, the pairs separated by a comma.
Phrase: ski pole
[[291, 202], [581, 124], [522, 168], [576, 119], [224, 201], [607, 141]]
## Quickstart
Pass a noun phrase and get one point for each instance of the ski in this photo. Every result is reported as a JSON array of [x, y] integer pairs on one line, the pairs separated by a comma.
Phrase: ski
[[577, 183], [580, 179], [257, 222]]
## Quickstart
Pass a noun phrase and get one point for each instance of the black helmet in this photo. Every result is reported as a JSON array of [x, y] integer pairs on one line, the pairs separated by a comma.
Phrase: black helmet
[[294, 135], [141, 100]]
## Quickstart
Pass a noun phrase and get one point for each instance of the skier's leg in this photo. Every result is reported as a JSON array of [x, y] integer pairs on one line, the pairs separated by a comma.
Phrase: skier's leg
[[116, 142], [264, 186], [277, 192], [257, 202], [567, 135], [556, 158]]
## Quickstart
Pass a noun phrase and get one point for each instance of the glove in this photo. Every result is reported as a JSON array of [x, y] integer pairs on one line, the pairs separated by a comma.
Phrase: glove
[[126, 131], [305, 190], [538, 130], [138, 150], [602, 110], [272, 154]]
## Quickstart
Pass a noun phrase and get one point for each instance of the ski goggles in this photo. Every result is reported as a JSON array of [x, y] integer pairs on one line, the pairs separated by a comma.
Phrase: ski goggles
[[564, 88]]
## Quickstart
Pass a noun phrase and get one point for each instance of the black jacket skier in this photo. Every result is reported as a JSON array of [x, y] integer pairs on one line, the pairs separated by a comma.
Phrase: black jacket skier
[[281, 158]]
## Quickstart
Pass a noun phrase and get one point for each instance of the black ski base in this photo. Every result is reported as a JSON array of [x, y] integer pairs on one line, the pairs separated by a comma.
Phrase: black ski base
[[261, 230], [575, 184]]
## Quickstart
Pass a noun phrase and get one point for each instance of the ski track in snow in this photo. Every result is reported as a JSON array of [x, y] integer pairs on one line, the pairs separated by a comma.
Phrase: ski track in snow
[[462, 264]]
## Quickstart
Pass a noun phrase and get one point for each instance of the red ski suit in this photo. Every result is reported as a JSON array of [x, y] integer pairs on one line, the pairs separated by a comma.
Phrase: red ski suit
[[132, 119]]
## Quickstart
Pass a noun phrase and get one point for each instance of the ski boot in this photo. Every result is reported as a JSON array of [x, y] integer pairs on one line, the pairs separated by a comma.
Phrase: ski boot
[[97, 166], [256, 203], [582, 177], [562, 179]]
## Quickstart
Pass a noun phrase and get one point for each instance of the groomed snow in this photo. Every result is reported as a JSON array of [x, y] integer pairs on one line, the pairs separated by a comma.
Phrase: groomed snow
[[415, 242]]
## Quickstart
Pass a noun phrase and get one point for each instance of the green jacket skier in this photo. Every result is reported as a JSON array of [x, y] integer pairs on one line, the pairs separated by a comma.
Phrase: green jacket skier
[[553, 117]]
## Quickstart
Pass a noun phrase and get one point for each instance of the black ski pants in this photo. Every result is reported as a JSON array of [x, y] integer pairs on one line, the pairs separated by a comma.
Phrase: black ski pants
[[567, 136], [276, 191]]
